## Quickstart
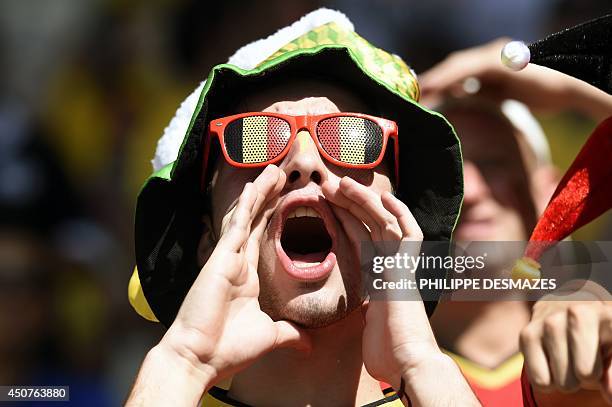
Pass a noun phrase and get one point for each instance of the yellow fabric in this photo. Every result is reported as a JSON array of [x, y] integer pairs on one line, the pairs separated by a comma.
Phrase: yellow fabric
[[210, 401], [388, 68], [137, 298], [483, 377]]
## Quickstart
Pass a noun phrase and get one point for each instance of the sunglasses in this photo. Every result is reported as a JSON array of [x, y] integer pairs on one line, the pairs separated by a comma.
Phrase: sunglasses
[[349, 140]]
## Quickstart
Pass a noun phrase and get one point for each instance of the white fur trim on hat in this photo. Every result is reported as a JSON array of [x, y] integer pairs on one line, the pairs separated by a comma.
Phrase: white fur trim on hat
[[170, 142], [247, 57]]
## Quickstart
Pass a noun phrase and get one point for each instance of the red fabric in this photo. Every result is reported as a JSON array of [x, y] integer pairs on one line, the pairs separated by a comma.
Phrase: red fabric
[[514, 394], [583, 194], [528, 398], [505, 396]]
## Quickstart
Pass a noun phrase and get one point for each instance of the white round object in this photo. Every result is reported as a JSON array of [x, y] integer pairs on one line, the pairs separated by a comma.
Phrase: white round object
[[515, 55], [471, 85]]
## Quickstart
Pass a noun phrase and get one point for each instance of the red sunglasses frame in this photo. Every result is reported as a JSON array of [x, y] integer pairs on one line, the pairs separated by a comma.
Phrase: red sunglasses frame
[[217, 127]]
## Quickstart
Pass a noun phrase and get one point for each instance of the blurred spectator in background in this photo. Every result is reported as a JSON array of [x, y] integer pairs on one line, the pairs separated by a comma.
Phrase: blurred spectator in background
[[24, 306], [52, 317], [509, 179]]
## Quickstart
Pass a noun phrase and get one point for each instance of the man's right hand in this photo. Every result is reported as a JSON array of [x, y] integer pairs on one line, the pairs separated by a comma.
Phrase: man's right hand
[[220, 328]]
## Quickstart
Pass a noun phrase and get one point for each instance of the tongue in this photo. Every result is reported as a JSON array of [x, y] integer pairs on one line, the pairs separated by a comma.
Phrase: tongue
[[307, 259]]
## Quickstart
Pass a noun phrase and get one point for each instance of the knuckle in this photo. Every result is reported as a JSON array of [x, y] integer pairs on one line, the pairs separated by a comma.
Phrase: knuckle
[[576, 312], [539, 307], [529, 335], [391, 229], [233, 223], [554, 324], [606, 313], [238, 230], [389, 220]]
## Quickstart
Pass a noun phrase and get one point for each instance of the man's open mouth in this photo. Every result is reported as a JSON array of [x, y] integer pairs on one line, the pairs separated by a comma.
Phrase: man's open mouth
[[306, 239], [304, 236]]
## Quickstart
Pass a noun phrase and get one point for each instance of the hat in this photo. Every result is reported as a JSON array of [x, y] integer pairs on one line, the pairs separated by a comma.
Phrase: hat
[[583, 51], [583, 194], [322, 45]]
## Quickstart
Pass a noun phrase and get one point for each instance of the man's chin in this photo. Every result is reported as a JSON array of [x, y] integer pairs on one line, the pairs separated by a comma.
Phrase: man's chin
[[311, 312]]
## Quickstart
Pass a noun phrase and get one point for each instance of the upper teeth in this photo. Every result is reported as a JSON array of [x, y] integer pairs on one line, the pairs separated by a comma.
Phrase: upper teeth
[[303, 211]]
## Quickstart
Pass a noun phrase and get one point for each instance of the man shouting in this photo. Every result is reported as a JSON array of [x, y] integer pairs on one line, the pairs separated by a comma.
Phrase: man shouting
[[248, 238]]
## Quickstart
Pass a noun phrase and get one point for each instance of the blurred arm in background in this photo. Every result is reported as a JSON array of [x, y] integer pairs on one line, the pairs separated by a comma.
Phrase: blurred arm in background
[[540, 88]]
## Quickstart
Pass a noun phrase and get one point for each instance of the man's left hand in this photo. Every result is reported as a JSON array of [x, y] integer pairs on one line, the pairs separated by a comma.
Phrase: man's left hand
[[397, 339]]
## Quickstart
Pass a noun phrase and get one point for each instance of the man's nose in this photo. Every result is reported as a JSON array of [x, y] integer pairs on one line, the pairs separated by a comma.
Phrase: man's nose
[[474, 184], [303, 164]]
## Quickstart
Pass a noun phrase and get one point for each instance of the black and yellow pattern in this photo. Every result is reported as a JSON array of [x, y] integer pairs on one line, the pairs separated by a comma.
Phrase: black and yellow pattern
[[217, 397], [256, 139]]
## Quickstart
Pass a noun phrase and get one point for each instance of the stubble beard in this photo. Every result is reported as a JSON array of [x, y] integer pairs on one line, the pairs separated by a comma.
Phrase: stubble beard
[[310, 310]]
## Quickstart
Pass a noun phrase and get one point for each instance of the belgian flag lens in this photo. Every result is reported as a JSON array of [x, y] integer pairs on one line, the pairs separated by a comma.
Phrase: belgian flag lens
[[352, 140], [256, 139]]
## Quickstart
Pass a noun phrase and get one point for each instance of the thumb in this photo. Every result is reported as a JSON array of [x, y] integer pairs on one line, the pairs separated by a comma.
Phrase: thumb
[[288, 335]]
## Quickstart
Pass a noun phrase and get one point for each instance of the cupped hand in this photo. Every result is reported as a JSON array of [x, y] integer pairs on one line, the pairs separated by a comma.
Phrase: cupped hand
[[397, 335], [220, 326]]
